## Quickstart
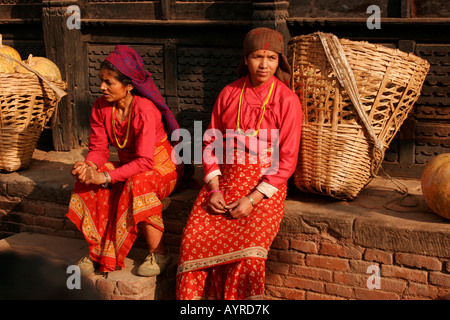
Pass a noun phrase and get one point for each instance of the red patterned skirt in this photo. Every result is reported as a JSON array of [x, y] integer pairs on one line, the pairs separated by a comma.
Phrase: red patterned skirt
[[222, 257], [108, 218]]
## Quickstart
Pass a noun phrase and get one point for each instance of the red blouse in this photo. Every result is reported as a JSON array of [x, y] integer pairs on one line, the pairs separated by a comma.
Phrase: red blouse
[[283, 112], [145, 131]]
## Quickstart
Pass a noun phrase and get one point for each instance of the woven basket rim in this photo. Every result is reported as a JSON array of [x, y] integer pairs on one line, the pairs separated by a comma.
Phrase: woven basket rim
[[31, 76], [369, 45]]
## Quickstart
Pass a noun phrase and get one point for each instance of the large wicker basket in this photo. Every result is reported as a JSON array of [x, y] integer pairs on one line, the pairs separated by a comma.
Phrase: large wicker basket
[[355, 96], [27, 103]]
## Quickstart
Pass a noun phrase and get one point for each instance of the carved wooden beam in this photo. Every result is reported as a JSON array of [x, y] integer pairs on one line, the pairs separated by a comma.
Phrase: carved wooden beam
[[64, 46]]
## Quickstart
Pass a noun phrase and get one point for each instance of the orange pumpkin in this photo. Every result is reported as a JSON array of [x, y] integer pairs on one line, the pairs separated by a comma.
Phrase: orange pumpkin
[[435, 182], [7, 65], [42, 65]]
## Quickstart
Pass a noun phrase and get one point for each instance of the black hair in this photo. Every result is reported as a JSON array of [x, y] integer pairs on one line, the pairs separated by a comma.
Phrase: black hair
[[123, 79]]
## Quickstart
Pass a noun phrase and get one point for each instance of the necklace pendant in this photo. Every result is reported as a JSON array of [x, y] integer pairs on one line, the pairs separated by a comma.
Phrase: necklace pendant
[[252, 132]]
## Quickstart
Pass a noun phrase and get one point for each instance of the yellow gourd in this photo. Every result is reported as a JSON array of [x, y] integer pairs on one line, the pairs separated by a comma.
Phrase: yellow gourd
[[8, 65], [42, 65]]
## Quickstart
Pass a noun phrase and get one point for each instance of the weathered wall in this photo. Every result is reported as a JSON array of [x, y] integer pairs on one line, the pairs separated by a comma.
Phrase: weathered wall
[[193, 48]]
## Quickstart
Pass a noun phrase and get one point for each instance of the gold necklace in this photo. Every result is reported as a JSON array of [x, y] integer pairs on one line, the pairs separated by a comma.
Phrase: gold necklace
[[121, 146], [238, 129]]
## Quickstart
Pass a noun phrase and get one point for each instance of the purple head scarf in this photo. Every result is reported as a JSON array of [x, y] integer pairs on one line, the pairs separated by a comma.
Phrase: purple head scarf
[[130, 63]]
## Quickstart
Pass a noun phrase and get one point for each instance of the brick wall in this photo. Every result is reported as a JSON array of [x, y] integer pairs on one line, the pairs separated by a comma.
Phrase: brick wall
[[335, 250], [35, 216], [313, 267]]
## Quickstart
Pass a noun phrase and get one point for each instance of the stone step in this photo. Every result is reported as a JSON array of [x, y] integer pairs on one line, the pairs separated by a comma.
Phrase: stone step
[[122, 284]]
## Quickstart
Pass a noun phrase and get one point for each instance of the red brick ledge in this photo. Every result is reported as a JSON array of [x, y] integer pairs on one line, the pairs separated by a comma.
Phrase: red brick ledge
[[325, 248]]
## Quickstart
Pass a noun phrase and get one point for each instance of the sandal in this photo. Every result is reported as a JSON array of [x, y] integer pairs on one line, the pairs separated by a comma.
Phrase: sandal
[[86, 265], [154, 264]]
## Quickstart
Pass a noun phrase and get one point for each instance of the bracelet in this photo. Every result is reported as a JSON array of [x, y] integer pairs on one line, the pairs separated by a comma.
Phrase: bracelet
[[209, 193], [108, 178], [251, 201]]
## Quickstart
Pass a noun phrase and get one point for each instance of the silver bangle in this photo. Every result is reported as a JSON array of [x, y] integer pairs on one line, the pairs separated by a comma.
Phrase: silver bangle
[[108, 178], [251, 201]]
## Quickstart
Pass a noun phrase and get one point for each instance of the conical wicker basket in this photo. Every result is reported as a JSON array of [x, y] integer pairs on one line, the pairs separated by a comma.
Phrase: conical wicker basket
[[355, 96], [27, 104]]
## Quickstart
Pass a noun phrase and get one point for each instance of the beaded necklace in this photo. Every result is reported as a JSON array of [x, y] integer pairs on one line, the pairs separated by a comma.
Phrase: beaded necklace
[[121, 146], [238, 129]]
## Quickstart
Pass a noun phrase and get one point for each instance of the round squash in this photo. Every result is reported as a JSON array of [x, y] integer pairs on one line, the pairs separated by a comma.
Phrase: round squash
[[7, 65], [435, 182], [42, 65]]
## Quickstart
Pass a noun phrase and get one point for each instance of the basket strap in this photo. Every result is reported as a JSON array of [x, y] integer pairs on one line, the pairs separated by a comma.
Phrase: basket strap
[[59, 93], [336, 57], [344, 73], [338, 61]]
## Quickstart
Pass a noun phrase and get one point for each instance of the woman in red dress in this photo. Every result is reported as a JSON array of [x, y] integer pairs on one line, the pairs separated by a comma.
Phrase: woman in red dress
[[111, 198], [238, 211]]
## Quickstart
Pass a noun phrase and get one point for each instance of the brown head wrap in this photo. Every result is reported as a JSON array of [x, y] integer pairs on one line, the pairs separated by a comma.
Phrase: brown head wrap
[[266, 39]]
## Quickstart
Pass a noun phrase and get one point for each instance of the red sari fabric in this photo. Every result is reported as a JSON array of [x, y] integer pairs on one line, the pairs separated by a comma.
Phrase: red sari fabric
[[108, 218], [222, 257], [240, 280]]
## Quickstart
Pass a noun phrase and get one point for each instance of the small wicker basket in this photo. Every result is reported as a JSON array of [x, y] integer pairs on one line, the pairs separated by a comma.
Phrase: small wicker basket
[[27, 102], [355, 96]]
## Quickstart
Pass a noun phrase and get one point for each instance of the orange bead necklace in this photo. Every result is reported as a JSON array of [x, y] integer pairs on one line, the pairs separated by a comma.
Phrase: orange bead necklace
[[122, 145]]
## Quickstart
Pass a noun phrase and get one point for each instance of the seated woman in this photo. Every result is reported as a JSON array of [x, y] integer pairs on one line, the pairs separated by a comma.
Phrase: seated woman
[[237, 213], [110, 199]]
